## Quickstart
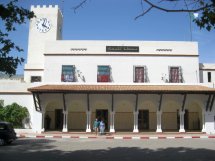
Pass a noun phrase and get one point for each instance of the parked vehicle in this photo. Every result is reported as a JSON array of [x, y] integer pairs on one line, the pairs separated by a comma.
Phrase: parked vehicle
[[7, 133]]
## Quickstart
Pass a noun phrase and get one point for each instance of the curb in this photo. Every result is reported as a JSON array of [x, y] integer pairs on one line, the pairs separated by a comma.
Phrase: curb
[[114, 137]]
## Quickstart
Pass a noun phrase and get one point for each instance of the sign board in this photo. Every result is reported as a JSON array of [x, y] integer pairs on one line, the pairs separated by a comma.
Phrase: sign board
[[122, 48]]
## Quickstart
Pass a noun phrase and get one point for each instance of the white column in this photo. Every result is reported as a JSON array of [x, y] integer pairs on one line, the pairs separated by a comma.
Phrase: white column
[[88, 128], [182, 121], [89, 125], [159, 113], [65, 120], [135, 121], [203, 120], [112, 113], [43, 119]]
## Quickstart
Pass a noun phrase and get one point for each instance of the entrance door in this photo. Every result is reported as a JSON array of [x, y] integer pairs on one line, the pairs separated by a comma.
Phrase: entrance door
[[59, 119], [143, 119], [102, 115]]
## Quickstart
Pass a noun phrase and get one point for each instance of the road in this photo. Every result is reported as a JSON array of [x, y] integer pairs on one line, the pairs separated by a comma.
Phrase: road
[[27, 149]]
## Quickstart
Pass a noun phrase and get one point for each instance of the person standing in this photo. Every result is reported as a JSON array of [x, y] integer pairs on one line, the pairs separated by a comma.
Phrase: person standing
[[47, 122], [96, 126], [102, 127]]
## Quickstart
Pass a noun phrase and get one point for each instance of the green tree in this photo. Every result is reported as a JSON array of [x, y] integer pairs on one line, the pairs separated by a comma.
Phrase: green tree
[[14, 113], [11, 15]]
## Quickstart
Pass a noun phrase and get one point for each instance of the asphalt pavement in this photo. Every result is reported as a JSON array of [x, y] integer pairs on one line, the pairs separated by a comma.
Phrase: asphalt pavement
[[100, 149]]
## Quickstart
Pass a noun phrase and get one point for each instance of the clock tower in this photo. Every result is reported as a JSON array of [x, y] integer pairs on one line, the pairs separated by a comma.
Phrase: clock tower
[[46, 26]]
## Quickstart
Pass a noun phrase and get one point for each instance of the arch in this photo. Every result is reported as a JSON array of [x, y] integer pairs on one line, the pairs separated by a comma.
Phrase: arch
[[147, 115], [171, 106], [77, 115], [52, 105], [170, 115], [100, 107], [194, 114], [52, 108], [150, 105], [124, 107]]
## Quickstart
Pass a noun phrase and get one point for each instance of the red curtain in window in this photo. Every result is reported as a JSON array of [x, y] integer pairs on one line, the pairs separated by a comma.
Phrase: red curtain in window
[[103, 74], [139, 74], [103, 78]]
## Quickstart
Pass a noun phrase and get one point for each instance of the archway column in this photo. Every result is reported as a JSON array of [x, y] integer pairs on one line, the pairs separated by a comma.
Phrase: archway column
[[88, 126], [65, 121], [42, 103], [112, 115], [182, 121], [136, 112], [43, 119], [159, 114], [88, 113], [203, 120], [136, 121], [65, 114]]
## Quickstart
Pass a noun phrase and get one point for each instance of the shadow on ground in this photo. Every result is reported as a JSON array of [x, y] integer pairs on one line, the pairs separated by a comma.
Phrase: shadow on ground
[[39, 150]]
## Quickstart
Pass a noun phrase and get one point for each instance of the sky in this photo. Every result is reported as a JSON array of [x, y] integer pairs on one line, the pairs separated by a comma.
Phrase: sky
[[115, 20]]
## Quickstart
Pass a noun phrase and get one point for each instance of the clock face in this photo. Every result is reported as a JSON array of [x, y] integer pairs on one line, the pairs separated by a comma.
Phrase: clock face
[[43, 25]]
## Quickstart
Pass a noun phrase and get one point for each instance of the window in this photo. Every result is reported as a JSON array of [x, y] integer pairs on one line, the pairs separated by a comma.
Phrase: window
[[103, 74], [35, 79], [68, 73], [175, 75], [140, 74], [209, 76]]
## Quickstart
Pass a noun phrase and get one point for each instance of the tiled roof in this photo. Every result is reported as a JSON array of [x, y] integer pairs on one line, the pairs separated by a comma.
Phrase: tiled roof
[[123, 89]]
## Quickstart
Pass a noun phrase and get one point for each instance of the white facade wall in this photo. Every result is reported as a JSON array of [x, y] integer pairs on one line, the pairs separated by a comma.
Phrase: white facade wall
[[204, 76], [37, 40], [16, 92], [157, 67], [204, 70], [210, 122], [122, 67], [156, 56], [25, 100], [99, 47]]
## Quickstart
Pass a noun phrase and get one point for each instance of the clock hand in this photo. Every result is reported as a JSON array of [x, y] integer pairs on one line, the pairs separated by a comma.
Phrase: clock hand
[[44, 23], [45, 26]]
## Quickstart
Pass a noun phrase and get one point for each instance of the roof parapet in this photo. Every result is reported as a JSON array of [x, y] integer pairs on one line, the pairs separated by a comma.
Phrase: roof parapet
[[43, 6]]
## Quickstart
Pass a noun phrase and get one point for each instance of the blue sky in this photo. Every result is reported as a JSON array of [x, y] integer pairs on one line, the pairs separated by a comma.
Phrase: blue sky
[[114, 20]]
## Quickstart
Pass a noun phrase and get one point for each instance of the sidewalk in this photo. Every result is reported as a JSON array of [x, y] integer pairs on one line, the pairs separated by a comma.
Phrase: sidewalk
[[118, 135]]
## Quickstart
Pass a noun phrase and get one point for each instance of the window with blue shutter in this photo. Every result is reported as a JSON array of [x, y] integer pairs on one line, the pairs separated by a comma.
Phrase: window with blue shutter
[[103, 74], [68, 73]]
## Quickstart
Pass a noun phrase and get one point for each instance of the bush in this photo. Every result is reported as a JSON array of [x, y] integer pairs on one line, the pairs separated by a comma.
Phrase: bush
[[14, 113]]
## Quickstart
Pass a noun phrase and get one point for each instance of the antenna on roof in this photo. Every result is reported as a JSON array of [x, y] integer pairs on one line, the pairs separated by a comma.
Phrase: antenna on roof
[[62, 7]]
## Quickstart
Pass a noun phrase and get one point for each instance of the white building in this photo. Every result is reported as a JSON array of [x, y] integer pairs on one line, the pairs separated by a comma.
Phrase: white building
[[132, 85]]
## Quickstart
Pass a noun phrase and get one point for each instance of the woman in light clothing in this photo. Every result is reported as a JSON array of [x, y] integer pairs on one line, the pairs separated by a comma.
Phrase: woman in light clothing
[[102, 127]]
